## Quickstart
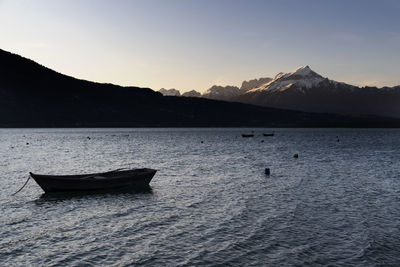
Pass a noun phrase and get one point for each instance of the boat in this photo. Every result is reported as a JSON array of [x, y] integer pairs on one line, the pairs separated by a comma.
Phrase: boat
[[268, 134], [133, 179], [247, 135]]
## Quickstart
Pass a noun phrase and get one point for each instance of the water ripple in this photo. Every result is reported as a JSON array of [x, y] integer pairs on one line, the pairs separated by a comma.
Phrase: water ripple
[[210, 203]]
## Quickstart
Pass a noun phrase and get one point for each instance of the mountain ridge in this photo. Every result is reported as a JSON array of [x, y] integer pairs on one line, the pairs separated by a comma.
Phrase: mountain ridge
[[303, 89], [306, 90], [32, 95]]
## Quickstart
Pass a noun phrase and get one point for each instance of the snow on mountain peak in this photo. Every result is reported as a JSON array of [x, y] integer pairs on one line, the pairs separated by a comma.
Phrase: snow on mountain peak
[[302, 77], [302, 71]]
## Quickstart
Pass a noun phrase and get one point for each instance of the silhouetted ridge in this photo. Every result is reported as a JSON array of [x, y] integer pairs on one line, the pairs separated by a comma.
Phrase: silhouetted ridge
[[22, 71], [32, 95], [305, 90]]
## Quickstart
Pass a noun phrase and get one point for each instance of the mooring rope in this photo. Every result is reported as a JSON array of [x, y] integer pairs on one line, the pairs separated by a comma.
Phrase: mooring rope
[[89, 176], [22, 186]]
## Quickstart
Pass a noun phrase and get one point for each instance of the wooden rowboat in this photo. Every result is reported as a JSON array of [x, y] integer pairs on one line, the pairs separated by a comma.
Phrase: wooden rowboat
[[134, 179], [268, 134]]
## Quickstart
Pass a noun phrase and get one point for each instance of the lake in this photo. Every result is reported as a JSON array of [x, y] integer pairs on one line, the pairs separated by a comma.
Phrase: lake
[[210, 203]]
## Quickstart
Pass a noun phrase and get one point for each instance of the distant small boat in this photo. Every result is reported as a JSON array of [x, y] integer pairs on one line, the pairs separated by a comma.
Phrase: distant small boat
[[117, 179], [247, 135], [268, 134]]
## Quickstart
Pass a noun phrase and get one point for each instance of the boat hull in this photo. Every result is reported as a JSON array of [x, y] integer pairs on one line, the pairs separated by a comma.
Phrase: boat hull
[[268, 134], [136, 179]]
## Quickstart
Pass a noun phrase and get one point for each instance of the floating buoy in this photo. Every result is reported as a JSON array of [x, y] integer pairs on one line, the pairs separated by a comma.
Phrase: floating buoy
[[267, 171], [88, 137], [27, 143], [262, 141], [202, 142], [296, 155]]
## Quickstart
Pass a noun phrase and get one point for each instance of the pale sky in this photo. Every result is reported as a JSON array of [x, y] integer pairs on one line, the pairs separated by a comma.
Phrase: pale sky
[[194, 44]]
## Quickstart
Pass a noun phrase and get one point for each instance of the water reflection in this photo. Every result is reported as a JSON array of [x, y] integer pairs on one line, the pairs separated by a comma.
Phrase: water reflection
[[94, 194]]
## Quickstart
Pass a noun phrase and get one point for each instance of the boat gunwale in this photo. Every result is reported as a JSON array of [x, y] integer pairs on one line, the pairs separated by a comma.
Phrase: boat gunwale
[[122, 174]]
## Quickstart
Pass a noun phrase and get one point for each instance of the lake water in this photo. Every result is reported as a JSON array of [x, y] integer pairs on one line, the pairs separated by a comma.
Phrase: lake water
[[211, 203]]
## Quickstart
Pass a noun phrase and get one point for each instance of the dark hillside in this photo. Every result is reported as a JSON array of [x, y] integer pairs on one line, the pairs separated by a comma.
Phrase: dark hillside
[[34, 96]]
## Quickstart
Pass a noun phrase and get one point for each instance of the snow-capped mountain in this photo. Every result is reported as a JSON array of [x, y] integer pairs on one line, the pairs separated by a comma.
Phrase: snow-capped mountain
[[300, 79], [305, 90], [251, 84], [192, 93], [221, 92], [169, 92]]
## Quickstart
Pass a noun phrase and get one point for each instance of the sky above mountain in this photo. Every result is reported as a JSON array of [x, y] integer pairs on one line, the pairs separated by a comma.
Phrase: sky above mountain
[[190, 44]]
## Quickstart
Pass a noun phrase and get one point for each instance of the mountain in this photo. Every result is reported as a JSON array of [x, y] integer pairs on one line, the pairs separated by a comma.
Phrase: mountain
[[251, 84], [226, 93], [192, 93], [32, 95], [305, 90], [169, 92], [221, 92], [217, 92]]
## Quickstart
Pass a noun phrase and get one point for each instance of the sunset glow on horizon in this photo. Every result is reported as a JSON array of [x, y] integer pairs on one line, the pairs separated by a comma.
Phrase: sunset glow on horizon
[[192, 45]]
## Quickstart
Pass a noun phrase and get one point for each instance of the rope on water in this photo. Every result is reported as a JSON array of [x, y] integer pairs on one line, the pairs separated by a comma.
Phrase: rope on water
[[120, 169], [22, 186]]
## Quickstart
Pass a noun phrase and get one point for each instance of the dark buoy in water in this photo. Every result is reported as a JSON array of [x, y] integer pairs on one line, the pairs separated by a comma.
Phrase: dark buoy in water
[[296, 156], [267, 171], [27, 143], [262, 141], [88, 137], [202, 142]]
